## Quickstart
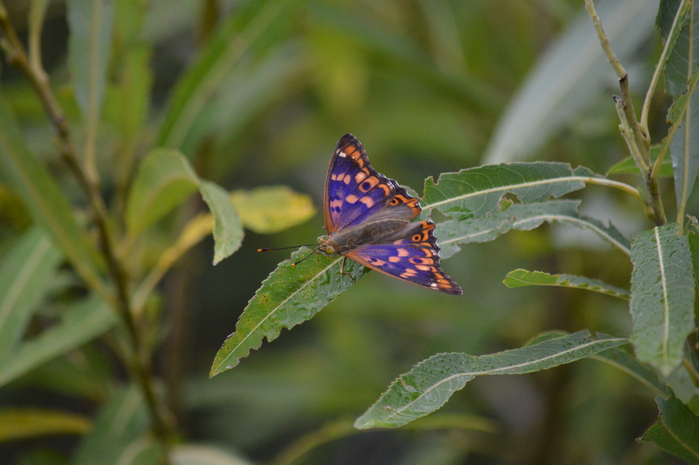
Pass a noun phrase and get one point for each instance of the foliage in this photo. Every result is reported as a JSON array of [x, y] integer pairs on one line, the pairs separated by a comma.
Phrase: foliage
[[157, 105]]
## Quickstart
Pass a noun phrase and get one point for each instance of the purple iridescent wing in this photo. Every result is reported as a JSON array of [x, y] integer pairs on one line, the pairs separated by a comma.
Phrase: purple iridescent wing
[[354, 191], [412, 257]]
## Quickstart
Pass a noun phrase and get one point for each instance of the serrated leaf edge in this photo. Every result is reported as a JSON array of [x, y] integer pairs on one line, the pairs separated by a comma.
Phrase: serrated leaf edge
[[396, 413], [216, 368]]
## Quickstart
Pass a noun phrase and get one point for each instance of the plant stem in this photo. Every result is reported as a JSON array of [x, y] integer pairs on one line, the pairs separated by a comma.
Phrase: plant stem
[[17, 56], [634, 134], [640, 136]]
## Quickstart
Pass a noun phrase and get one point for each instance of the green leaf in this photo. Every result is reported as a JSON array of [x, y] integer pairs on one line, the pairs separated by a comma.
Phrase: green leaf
[[693, 242], [131, 96], [677, 65], [679, 70], [25, 275], [47, 204], [523, 217], [244, 31], [625, 362], [23, 423], [89, 49], [164, 180], [477, 191], [250, 88], [430, 383], [684, 146], [228, 231], [271, 209], [676, 430], [118, 433], [289, 296], [569, 78], [628, 166], [81, 323], [662, 296], [521, 278]]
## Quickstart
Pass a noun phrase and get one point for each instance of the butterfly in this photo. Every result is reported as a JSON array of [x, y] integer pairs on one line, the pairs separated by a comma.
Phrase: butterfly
[[368, 219]]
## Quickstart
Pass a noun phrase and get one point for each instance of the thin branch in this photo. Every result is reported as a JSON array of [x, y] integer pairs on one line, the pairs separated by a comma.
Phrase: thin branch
[[17, 56], [636, 137], [36, 22], [627, 134], [641, 137]]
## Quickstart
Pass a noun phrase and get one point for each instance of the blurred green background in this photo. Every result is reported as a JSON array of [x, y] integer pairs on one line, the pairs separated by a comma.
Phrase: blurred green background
[[428, 86]]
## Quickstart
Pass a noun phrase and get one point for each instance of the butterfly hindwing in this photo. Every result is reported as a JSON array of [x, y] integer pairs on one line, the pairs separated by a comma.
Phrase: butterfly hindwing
[[355, 191], [411, 255]]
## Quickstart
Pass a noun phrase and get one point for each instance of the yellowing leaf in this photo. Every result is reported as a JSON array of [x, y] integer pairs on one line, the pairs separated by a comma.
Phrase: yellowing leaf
[[21, 423], [271, 209]]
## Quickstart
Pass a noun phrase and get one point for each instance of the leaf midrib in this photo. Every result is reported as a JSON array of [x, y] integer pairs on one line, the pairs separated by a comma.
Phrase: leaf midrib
[[23, 277], [666, 309], [496, 370], [272, 312]]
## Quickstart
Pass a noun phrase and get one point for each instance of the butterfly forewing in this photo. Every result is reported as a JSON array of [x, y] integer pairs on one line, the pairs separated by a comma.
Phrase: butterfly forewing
[[355, 191]]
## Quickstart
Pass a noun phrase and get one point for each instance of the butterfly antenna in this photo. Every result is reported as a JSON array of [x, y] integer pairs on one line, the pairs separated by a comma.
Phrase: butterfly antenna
[[314, 251], [282, 248]]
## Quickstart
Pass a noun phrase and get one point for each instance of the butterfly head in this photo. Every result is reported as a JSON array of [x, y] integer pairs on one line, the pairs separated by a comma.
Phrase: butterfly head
[[327, 246]]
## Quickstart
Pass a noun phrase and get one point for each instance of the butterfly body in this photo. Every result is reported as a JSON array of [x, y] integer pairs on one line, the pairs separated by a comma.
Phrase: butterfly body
[[368, 219], [373, 232]]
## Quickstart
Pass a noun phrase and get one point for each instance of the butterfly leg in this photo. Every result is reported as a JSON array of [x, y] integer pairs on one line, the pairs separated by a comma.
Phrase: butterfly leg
[[342, 270]]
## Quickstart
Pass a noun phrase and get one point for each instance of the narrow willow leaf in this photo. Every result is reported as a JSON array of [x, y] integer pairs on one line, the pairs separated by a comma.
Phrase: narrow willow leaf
[[670, 21], [681, 65], [250, 27], [89, 49], [228, 231], [681, 44], [49, 207], [523, 217], [83, 322], [676, 430], [132, 94], [477, 191], [164, 180], [693, 241], [430, 383], [628, 165], [271, 209], [569, 78], [625, 362], [250, 88], [521, 278], [289, 296], [24, 423], [662, 296], [119, 428], [24, 279], [684, 148]]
